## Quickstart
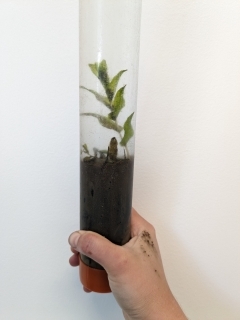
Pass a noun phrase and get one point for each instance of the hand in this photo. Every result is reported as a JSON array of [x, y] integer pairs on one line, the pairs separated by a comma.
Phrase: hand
[[135, 271]]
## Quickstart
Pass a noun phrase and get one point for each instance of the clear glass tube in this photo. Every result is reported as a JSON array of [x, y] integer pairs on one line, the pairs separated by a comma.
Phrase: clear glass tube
[[109, 55]]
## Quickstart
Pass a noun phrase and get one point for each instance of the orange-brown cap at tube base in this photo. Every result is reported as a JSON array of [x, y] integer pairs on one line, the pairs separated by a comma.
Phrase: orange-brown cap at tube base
[[93, 279]]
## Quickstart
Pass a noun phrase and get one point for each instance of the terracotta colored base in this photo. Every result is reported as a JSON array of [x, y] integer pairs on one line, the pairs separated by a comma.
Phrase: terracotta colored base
[[93, 279]]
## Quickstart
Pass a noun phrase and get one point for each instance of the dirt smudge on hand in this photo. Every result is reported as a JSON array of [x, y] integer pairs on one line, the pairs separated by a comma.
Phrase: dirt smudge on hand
[[146, 237], [156, 272]]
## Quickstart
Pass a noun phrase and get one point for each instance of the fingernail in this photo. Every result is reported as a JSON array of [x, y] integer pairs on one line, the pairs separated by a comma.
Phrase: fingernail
[[73, 239]]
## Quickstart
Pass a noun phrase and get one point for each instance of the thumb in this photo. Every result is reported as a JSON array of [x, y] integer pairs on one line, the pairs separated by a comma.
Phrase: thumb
[[98, 248]]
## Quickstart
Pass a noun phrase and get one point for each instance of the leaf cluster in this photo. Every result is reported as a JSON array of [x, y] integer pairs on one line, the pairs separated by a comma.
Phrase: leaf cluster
[[113, 99]]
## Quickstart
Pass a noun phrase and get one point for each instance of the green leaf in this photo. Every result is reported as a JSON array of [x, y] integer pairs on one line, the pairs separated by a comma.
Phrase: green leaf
[[128, 131], [85, 148], [113, 85], [103, 74], [105, 121], [118, 104], [99, 97], [94, 68]]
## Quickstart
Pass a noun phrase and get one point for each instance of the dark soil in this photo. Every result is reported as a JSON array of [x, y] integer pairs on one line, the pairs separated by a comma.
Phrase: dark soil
[[106, 200]]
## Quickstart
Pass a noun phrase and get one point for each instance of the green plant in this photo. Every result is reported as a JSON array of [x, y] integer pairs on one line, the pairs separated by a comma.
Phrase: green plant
[[113, 100]]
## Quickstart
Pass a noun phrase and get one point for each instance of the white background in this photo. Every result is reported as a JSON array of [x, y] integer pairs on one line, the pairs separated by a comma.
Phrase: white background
[[187, 173]]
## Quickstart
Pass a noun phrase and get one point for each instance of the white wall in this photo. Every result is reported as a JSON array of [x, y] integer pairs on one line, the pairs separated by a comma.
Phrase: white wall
[[187, 174]]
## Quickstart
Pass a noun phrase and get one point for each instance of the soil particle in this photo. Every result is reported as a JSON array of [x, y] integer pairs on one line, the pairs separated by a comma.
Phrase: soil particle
[[156, 272], [146, 234], [143, 249]]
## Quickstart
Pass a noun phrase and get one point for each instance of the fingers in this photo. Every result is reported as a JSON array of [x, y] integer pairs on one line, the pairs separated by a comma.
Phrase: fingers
[[86, 290], [74, 260], [112, 257], [98, 248], [74, 251]]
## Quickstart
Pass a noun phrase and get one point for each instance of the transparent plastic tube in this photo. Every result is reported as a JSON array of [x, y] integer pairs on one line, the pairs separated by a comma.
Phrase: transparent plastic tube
[[109, 55]]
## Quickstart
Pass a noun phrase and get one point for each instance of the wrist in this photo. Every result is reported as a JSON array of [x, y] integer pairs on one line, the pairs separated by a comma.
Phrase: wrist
[[165, 307]]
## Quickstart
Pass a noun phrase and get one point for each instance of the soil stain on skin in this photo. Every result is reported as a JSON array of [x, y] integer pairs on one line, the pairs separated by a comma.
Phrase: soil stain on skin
[[146, 237], [156, 272], [143, 249]]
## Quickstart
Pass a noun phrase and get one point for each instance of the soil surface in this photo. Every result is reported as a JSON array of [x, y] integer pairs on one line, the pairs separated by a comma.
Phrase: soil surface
[[106, 200]]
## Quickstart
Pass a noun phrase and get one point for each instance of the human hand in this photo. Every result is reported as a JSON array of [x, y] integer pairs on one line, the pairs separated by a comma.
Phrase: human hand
[[135, 271]]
